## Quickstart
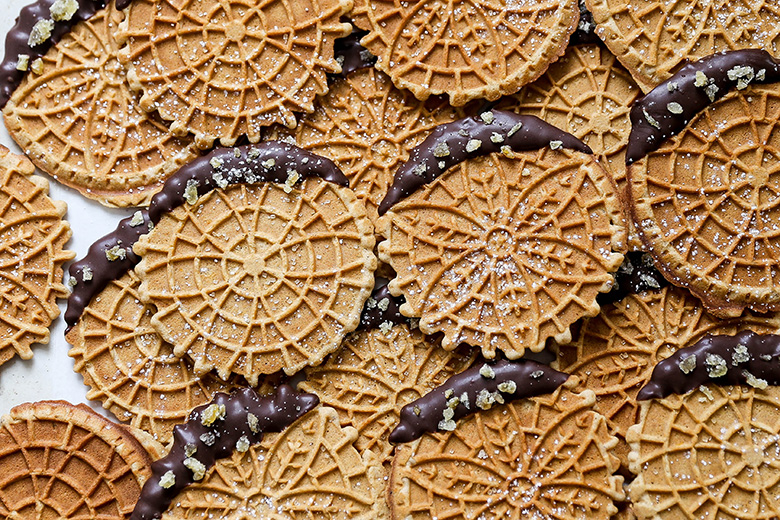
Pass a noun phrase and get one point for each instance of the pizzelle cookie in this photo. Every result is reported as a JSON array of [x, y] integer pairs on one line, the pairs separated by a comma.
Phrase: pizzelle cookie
[[63, 461], [368, 128], [712, 452], [378, 370], [255, 278], [613, 354], [652, 40], [544, 457], [124, 362], [703, 177], [79, 121], [502, 250], [32, 239], [465, 50], [222, 70]]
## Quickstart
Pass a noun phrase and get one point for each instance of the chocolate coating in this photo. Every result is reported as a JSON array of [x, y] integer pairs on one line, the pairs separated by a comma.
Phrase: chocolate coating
[[18, 36], [586, 28], [121, 4], [761, 361], [647, 134], [350, 54], [471, 382], [424, 166], [103, 270], [636, 274], [270, 161], [375, 312], [274, 413]]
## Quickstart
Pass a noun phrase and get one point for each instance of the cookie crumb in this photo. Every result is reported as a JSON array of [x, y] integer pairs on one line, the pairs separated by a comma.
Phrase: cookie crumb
[[242, 444], [40, 32], [86, 274], [473, 145], [137, 220], [212, 413], [116, 253], [167, 480], [191, 192], [197, 468]]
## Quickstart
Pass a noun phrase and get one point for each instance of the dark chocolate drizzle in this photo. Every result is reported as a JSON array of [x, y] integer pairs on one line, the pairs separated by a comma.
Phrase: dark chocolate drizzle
[[646, 138], [423, 166], [636, 274], [375, 313], [350, 54], [103, 270], [18, 36], [763, 363], [274, 413], [430, 408], [242, 164]]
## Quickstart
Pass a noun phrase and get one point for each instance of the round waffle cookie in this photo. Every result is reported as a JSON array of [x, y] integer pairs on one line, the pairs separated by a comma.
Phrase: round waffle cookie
[[256, 278], [80, 123], [130, 369], [712, 453], [614, 353], [311, 470], [653, 39], [589, 94], [32, 241], [544, 457], [59, 461], [224, 69], [368, 127], [467, 50], [377, 372], [705, 202], [504, 252]]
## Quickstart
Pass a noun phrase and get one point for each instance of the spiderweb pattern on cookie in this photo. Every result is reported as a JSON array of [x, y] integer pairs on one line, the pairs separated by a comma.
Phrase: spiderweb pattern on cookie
[[614, 353], [707, 205], [254, 280], [468, 50], [546, 457], [368, 128], [130, 369], [712, 453], [32, 241], [503, 253], [311, 470], [62, 461], [653, 38], [377, 372], [224, 69], [80, 123]]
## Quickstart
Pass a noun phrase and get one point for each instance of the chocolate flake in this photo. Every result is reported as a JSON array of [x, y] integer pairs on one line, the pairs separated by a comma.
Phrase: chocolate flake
[[425, 414]]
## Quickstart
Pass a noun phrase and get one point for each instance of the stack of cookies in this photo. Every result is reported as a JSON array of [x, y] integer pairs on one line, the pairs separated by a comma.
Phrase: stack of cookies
[[519, 258]]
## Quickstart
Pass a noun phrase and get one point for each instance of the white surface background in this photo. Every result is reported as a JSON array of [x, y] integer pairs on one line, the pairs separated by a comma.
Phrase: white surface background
[[49, 374]]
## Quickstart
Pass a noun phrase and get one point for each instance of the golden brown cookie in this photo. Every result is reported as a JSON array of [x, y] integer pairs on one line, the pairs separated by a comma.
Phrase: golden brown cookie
[[506, 251], [60, 461], [311, 470], [368, 127], [256, 278], [544, 457], [712, 453], [704, 202], [223, 69], [614, 353], [467, 50], [130, 369], [653, 39], [79, 121], [32, 250], [375, 373]]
